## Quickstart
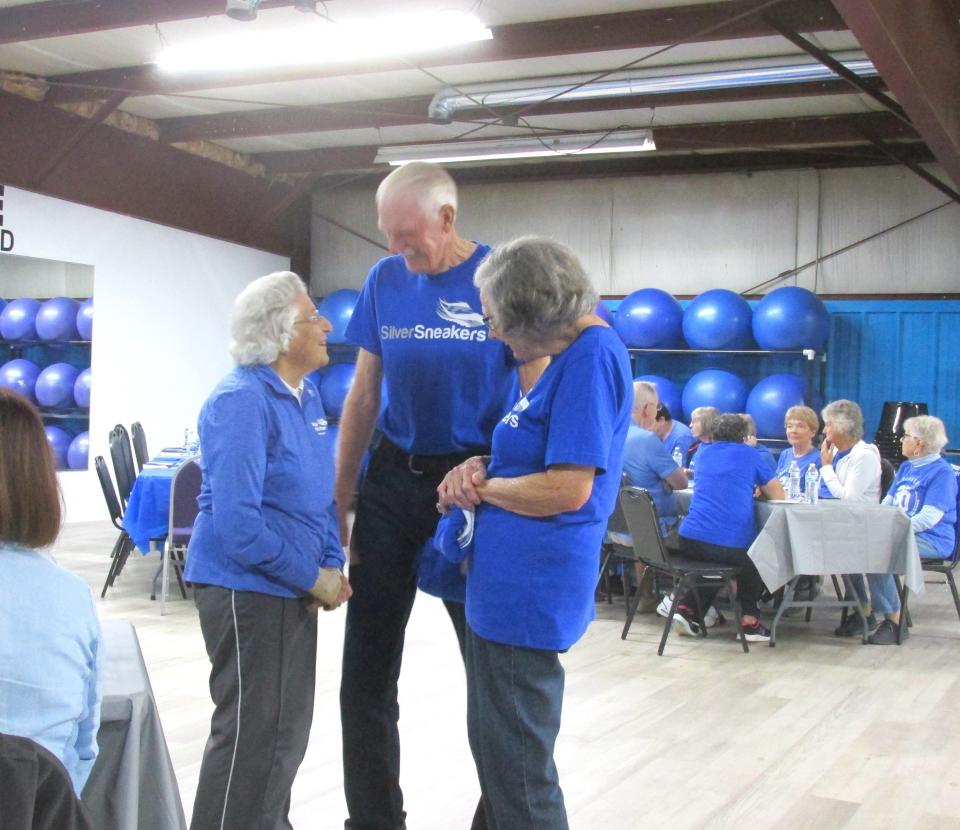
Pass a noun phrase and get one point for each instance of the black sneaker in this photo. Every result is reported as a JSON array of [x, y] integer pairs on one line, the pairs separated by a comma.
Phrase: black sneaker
[[755, 632], [853, 627], [886, 634], [685, 622]]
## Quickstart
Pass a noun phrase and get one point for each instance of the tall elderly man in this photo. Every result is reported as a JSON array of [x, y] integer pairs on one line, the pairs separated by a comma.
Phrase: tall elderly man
[[420, 327]]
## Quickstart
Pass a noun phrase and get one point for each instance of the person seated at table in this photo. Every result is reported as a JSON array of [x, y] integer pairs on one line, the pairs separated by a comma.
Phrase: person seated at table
[[50, 645], [721, 524], [751, 441], [925, 489], [702, 420], [674, 434], [801, 425], [265, 552], [850, 471]]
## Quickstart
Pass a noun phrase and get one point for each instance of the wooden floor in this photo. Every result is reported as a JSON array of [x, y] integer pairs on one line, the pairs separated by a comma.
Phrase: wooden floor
[[816, 733]]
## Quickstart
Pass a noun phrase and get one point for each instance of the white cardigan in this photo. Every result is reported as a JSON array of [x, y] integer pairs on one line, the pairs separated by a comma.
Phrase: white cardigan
[[856, 476]]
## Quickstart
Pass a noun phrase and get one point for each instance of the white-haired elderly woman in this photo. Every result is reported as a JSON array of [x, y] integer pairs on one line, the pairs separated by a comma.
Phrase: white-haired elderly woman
[[925, 489], [850, 471], [265, 553], [542, 500]]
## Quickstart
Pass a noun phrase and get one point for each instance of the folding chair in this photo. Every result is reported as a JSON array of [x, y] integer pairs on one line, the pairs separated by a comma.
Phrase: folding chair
[[122, 457], [124, 544], [640, 514], [183, 510], [139, 439]]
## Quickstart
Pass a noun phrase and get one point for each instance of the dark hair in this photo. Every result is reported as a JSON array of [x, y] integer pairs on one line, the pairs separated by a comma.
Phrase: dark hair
[[29, 493], [730, 427], [663, 412]]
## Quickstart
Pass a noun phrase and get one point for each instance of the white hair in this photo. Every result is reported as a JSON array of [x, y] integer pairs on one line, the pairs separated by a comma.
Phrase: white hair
[[430, 184], [263, 318], [928, 429], [846, 416]]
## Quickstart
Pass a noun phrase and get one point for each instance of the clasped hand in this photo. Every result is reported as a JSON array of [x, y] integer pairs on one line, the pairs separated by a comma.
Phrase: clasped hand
[[463, 485]]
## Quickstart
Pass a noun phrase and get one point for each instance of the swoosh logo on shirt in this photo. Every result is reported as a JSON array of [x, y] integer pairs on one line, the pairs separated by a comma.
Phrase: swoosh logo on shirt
[[459, 313]]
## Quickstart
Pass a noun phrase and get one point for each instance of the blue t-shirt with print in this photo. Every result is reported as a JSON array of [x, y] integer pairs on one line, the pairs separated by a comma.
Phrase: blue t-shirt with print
[[647, 462], [934, 484], [679, 436], [787, 457], [721, 511], [448, 382], [531, 580]]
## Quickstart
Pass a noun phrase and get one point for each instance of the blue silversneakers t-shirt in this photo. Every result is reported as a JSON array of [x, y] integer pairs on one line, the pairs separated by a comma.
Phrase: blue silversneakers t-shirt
[[448, 382], [531, 580], [934, 484], [787, 457], [721, 511]]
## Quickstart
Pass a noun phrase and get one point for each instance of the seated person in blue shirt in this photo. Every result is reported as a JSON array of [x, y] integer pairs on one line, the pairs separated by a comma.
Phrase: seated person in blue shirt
[[721, 524], [702, 420], [801, 425], [265, 553], [925, 488], [542, 500], [49, 634], [751, 441], [674, 434]]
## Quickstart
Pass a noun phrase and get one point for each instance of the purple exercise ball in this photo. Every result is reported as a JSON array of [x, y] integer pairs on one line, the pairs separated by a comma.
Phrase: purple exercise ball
[[669, 394], [650, 319], [85, 319], [59, 441], [714, 387], [791, 318], [57, 319], [718, 319], [18, 319], [81, 389], [338, 307], [769, 401], [20, 375], [54, 387], [336, 383], [78, 453]]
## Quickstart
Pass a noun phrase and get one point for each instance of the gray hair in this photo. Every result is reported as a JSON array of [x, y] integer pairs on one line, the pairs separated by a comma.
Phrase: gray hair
[[644, 393], [263, 318], [707, 416], [928, 429], [432, 186], [730, 427], [846, 416], [535, 287], [751, 424]]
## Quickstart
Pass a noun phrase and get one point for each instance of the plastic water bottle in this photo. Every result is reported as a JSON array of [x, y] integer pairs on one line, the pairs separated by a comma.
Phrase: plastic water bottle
[[678, 457], [793, 488], [813, 484]]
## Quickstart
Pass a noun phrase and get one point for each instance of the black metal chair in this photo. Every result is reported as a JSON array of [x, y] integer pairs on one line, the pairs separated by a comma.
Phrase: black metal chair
[[640, 514], [184, 490], [887, 474], [124, 544], [616, 550], [122, 457], [139, 439]]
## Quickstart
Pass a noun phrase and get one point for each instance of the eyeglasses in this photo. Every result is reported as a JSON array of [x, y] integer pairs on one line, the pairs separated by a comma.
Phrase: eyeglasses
[[912, 437], [488, 321], [313, 318]]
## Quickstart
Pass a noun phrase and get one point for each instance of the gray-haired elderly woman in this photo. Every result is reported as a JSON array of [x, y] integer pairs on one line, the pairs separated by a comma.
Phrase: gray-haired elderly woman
[[703, 419], [265, 553], [542, 500]]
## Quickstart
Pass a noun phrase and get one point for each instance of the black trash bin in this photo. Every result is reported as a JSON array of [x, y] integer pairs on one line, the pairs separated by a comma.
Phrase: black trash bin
[[890, 432]]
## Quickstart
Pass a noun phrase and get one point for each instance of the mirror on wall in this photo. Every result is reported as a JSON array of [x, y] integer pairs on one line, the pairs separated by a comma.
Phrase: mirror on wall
[[46, 332]]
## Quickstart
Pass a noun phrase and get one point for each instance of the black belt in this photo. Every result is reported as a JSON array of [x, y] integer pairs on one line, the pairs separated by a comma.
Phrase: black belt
[[430, 465]]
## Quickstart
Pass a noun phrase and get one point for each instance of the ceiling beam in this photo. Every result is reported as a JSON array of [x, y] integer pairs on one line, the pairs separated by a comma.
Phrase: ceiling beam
[[916, 48], [516, 41], [684, 138], [58, 18], [397, 112]]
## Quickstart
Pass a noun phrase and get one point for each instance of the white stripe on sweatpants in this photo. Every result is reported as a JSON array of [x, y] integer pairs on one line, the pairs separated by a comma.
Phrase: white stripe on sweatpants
[[236, 741]]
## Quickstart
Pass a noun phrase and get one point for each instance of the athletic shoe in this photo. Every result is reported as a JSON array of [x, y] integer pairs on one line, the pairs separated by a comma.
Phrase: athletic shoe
[[663, 609], [713, 617], [685, 623], [853, 627], [886, 634], [756, 632]]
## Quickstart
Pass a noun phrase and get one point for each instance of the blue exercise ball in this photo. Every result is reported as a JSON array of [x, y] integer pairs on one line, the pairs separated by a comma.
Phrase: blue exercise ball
[[650, 319], [20, 375], [791, 318], [18, 319], [336, 383], [718, 319], [59, 441], [714, 387], [668, 392], [81, 389], [57, 319], [769, 401], [338, 307], [603, 312], [78, 452], [55, 385], [85, 319]]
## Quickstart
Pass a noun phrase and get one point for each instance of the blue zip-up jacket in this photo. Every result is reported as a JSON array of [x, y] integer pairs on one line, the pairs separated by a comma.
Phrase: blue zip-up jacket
[[267, 520]]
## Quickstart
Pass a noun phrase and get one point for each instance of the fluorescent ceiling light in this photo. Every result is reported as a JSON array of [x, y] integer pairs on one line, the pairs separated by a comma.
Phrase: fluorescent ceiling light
[[319, 41], [448, 102], [579, 144]]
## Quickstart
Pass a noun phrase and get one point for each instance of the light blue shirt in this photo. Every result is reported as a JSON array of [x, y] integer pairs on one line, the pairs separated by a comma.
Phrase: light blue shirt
[[49, 659]]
